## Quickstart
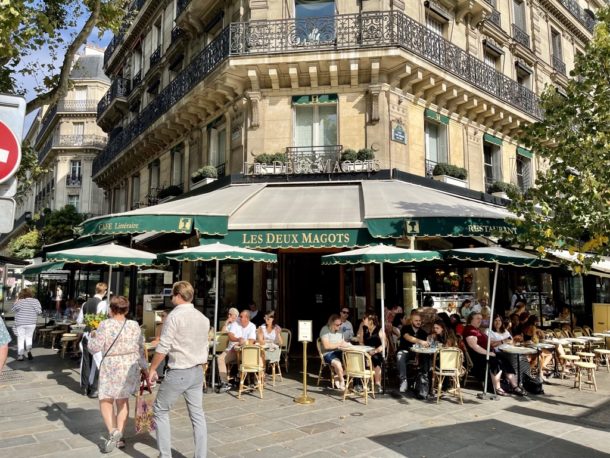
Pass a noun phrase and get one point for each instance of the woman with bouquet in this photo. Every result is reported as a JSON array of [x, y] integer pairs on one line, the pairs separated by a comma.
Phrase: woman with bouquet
[[121, 342]]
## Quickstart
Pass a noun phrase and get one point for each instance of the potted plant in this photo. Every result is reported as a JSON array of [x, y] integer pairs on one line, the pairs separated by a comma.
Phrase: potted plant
[[349, 155], [449, 173], [203, 176], [268, 163], [366, 154], [170, 191], [503, 190]]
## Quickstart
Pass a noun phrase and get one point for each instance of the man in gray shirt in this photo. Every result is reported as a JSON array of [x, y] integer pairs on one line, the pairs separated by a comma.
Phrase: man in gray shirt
[[185, 340]]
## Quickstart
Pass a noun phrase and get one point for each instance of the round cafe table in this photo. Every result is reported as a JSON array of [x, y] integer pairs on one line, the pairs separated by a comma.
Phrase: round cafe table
[[426, 360], [517, 351]]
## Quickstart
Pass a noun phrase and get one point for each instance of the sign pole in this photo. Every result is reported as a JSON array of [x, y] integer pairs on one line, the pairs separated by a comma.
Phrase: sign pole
[[304, 336]]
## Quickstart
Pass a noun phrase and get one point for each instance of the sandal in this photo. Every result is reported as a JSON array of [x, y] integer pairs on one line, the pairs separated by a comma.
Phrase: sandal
[[518, 390], [501, 392]]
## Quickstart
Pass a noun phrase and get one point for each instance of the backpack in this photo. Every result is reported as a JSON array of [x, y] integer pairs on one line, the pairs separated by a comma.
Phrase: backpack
[[532, 385]]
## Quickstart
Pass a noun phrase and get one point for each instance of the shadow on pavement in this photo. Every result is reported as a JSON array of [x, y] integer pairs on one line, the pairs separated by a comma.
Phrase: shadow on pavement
[[481, 438]]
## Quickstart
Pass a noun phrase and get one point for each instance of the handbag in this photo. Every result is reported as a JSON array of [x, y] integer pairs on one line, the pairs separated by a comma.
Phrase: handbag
[[144, 419]]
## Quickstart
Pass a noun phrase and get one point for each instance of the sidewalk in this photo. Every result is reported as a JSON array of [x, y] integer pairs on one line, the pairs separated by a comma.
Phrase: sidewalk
[[42, 413]]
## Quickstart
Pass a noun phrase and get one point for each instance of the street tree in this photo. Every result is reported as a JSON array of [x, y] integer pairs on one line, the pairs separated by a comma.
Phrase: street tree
[[569, 206], [26, 245]]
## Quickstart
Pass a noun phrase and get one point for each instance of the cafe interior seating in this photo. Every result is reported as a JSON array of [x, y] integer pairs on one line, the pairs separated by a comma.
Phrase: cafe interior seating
[[358, 365]]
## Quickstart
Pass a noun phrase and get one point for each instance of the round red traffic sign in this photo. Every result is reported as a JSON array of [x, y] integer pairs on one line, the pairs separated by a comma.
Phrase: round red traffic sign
[[10, 153]]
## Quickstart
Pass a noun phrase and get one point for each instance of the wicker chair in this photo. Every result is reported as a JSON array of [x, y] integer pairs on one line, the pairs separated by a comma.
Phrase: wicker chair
[[450, 365], [252, 362], [324, 364], [285, 347], [358, 364], [272, 357]]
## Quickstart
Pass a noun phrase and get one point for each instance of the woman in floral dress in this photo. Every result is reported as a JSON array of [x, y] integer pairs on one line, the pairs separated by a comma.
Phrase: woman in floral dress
[[121, 342]]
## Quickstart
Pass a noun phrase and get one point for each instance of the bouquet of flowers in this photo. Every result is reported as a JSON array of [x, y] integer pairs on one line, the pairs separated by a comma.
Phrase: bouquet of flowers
[[93, 320]]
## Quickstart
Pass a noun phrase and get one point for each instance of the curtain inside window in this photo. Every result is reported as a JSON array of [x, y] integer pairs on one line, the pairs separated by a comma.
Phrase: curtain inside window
[[303, 132], [327, 125], [177, 168]]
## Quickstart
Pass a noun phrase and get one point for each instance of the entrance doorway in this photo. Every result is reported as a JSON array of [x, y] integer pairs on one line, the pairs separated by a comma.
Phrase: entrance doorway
[[310, 290]]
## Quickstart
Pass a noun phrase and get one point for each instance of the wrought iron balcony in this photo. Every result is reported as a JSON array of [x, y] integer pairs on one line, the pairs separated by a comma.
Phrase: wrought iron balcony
[[74, 181], [177, 33], [118, 88], [296, 154], [558, 64], [494, 18], [118, 39], [581, 15], [387, 29], [155, 57], [46, 121], [71, 141], [520, 36], [182, 4]]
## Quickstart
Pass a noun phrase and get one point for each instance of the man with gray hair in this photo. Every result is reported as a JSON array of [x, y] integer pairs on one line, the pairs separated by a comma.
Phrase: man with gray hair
[[184, 340], [239, 333]]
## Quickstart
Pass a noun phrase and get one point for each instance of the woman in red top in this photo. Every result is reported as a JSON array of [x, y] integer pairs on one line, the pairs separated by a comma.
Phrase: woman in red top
[[476, 344]]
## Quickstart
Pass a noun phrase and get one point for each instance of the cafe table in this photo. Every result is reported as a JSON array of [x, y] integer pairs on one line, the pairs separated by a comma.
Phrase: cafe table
[[540, 346], [518, 351]]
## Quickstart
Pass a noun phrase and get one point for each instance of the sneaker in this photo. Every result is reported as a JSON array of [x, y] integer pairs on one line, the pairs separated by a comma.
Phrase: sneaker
[[20, 358], [224, 387], [112, 441], [30, 357], [403, 386]]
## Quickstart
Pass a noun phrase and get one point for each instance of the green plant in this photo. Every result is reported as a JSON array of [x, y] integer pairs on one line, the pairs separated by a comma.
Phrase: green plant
[[173, 190], [264, 158], [280, 157], [450, 170], [501, 186], [349, 155], [366, 154], [207, 171]]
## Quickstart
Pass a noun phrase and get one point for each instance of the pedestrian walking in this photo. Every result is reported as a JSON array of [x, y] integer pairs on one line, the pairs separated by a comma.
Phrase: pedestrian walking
[[5, 339], [121, 342], [90, 362], [26, 310], [185, 340]]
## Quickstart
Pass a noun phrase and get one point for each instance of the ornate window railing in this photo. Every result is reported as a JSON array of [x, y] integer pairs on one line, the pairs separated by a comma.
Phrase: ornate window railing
[[118, 39], [342, 32], [77, 105], [182, 4], [520, 36], [296, 154], [581, 15], [118, 88], [558, 64], [74, 180], [494, 18], [177, 33], [42, 153], [72, 141], [155, 57]]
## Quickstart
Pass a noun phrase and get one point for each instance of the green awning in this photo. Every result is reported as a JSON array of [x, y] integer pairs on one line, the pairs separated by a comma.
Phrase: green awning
[[431, 114], [36, 269], [438, 226], [109, 255], [492, 139], [307, 99], [524, 152], [379, 254], [219, 252], [295, 238], [497, 255], [212, 225]]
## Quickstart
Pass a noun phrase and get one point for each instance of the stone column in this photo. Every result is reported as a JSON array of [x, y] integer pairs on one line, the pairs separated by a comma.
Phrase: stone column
[[378, 124]]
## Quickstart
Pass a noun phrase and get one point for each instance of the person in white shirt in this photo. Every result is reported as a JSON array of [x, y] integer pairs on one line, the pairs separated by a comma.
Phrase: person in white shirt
[[240, 333], [346, 326], [498, 333]]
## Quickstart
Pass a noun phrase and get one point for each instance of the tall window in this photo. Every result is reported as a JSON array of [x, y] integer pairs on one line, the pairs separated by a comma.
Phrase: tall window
[[78, 131], [556, 44], [309, 28], [315, 120], [491, 163], [157, 38], [75, 170], [491, 59], [217, 148], [435, 25], [524, 172], [436, 144], [519, 11], [135, 191], [154, 174], [177, 164], [74, 200], [80, 94]]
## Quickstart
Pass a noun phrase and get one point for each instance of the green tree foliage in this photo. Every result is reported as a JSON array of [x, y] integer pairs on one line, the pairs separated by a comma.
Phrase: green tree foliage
[[569, 208], [29, 171], [56, 28], [25, 246], [59, 224]]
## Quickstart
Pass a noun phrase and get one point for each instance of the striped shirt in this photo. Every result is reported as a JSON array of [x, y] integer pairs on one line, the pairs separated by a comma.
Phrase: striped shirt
[[26, 311]]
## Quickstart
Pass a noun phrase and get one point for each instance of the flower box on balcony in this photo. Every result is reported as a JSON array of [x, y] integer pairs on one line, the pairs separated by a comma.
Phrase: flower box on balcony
[[452, 174], [202, 182], [451, 180]]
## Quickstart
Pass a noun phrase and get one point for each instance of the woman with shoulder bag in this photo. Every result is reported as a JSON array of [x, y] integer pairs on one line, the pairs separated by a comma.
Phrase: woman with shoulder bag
[[121, 342]]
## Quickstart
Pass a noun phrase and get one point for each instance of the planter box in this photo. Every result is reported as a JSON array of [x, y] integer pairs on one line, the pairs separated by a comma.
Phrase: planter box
[[500, 194], [451, 180], [270, 169], [201, 183]]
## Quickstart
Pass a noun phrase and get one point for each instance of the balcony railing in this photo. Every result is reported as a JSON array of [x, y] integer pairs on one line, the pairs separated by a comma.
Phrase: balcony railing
[[46, 121], [182, 4], [558, 63], [72, 141], [296, 154], [581, 15], [74, 181], [520, 36], [177, 33], [118, 39], [494, 18], [77, 105], [118, 88], [344, 32], [155, 57]]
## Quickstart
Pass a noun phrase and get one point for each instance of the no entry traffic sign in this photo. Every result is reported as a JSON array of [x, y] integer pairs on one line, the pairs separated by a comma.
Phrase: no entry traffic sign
[[10, 153]]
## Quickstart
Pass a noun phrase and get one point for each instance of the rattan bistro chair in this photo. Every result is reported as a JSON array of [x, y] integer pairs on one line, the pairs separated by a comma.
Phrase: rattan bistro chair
[[252, 362], [324, 364], [272, 357], [450, 365], [285, 347], [358, 364]]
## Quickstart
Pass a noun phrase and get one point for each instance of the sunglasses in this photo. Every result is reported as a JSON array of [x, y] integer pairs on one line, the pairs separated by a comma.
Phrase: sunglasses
[[345, 311]]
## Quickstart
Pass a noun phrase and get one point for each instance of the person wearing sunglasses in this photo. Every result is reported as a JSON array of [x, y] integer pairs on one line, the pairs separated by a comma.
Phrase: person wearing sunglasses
[[346, 326]]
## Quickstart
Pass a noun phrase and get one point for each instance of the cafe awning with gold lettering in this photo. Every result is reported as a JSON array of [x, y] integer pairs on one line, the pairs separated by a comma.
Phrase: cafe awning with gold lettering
[[340, 214]]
